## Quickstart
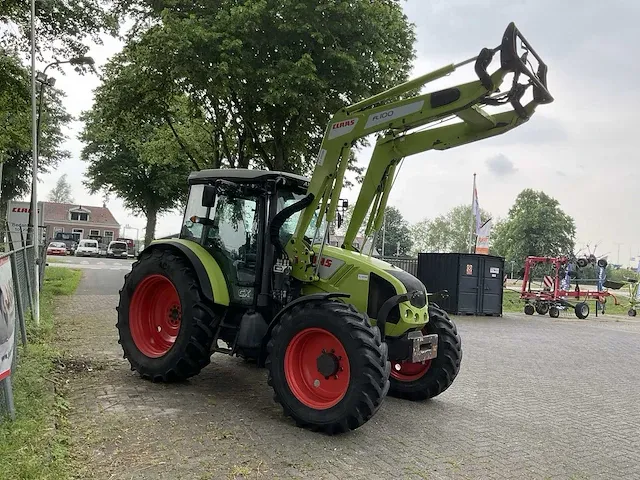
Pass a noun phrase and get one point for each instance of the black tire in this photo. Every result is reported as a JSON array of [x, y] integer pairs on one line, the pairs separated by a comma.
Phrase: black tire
[[529, 309], [554, 312], [443, 369], [582, 262], [542, 308], [603, 263], [369, 368], [582, 310], [191, 350], [632, 312]]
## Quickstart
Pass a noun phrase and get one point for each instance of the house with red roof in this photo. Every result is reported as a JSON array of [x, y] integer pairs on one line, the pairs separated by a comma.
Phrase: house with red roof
[[97, 223]]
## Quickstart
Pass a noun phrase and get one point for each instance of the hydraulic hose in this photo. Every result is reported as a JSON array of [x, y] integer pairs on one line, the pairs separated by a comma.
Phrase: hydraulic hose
[[282, 216]]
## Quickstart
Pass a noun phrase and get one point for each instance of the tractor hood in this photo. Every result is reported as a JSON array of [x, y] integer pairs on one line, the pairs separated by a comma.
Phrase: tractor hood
[[369, 282]]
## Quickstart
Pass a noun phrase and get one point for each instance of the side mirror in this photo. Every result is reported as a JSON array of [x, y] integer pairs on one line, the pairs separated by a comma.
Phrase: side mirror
[[209, 196]]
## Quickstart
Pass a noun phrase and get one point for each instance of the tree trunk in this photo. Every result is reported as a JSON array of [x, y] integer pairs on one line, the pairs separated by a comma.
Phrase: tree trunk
[[150, 232]]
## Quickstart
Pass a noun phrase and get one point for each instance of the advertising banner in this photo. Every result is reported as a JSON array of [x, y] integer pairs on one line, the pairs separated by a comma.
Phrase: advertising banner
[[482, 241], [18, 219], [7, 318]]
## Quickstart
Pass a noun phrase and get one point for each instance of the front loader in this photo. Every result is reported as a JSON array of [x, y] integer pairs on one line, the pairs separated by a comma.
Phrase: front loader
[[252, 274]]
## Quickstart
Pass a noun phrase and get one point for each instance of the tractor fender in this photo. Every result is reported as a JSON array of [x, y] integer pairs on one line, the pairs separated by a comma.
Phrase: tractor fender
[[314, 297], [210, 277]]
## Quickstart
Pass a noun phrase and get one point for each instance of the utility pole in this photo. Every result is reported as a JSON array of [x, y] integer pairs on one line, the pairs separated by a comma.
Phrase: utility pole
[[34, 180], [384, 231], [618, 244], [473, 200]]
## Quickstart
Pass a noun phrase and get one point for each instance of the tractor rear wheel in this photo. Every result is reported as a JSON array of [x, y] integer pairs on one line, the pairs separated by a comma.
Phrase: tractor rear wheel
[[165, 330], [328, 366], [420, 381]]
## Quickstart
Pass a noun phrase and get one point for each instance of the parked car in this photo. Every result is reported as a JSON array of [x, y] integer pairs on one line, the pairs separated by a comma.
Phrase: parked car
[[117, 249], [70, 240], [57, 248], [87, 248]]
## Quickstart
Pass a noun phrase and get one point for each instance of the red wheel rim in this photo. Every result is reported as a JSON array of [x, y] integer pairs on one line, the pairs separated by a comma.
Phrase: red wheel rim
[[407, 371], [155, 315], [301, 369]]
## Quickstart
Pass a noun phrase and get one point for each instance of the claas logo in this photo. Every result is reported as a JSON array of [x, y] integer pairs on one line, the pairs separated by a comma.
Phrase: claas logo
[[344, 123], [21, 209]]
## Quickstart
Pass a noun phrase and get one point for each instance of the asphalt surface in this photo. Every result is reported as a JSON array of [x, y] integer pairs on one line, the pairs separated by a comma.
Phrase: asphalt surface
[[535, 398], [102, 276]]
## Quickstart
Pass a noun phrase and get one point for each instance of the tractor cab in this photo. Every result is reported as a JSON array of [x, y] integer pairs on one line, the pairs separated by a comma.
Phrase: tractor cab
[[228, 212]]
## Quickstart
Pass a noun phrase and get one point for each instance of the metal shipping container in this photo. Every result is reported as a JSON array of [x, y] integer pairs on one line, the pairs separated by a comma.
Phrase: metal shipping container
[[474, 282]]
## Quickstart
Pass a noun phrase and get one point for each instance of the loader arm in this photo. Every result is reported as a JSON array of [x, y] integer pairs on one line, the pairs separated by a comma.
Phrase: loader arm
[[397, 118]]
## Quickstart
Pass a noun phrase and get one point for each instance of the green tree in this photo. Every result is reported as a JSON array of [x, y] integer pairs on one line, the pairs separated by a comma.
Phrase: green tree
[[265, 75], [15, 130], [61, 193], [397, 229], [397, 236], [62, 26], [141, 164], [445, 233], [535, 225]]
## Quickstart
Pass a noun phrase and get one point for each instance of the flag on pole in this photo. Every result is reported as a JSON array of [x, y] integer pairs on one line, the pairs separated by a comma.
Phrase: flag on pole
[[475, 207]]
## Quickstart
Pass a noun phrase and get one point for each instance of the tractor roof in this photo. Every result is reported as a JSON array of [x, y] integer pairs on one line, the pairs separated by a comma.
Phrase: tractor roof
[[243, 175]]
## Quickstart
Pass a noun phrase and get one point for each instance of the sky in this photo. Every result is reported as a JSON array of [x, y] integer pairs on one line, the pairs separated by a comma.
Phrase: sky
[[580, 149]]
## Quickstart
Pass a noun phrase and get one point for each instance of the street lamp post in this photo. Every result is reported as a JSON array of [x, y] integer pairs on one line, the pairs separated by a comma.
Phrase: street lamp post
[[33, 211]]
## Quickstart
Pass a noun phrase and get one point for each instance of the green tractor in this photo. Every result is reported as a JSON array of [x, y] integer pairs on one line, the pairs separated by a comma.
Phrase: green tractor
[[252, 274]]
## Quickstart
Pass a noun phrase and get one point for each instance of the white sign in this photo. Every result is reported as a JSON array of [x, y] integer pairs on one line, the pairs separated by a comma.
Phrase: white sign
[[18, 218], [393, 114], [342, 127], [7, 317], [321, 156]]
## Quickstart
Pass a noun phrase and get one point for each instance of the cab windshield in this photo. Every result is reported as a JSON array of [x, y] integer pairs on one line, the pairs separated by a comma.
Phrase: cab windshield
[[286, 198]]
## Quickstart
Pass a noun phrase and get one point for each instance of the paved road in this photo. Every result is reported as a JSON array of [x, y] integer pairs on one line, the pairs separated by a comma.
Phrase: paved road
[[536, 398], [101, 276]]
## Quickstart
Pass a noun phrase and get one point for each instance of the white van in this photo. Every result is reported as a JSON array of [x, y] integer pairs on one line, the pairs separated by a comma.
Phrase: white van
[[87, 248]]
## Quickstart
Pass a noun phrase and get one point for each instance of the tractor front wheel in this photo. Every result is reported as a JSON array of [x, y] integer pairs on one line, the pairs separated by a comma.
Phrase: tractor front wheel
[[328, 366], [420, 381], [165, 330]]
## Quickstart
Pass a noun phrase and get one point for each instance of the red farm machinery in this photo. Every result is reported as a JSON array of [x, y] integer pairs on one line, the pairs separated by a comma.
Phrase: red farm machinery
[[555, 292]]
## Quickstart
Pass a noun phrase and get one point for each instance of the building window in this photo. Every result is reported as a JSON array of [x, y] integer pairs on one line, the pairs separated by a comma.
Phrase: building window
[[80, 231], [94, 233], [108, 236], [80, 216]]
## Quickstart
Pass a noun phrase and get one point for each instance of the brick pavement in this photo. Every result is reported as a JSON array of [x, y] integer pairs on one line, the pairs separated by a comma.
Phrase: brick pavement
[[535, 398]]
